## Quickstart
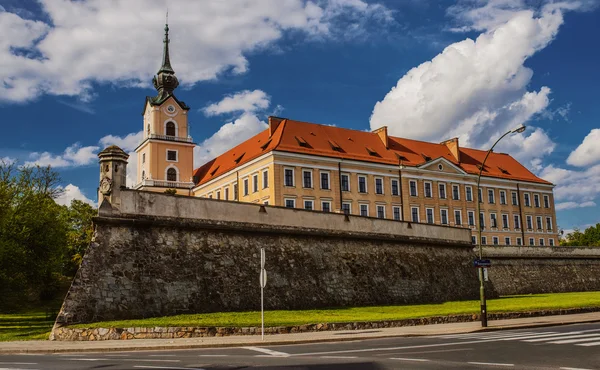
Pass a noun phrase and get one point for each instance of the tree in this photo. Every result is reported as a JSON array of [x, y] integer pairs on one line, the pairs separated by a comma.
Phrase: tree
[[79, 235], [590, 237]]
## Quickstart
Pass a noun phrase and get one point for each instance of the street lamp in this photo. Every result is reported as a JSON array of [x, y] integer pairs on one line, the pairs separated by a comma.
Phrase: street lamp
[[517, 130]]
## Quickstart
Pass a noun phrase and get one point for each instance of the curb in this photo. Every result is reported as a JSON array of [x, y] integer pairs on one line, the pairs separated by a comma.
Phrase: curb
[[279, 342]]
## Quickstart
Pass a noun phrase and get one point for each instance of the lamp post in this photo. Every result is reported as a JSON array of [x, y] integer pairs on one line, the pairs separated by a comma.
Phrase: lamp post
[[517, 130]]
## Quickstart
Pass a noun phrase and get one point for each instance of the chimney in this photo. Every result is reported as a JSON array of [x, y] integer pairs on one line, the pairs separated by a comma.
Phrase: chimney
[[453, 147], [382, 133], [273, 124]]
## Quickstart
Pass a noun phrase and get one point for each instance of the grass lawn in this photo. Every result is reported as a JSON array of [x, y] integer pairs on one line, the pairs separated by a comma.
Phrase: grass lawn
[[25, 326], [378, 313], [35, 324]]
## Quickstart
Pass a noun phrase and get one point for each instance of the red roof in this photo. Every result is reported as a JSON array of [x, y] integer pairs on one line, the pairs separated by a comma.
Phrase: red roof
[[331, 141]]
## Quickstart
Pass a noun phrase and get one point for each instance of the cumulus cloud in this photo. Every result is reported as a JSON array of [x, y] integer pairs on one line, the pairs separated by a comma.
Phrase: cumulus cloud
[[571, 205], [70, 193], [74, 156], [128, 142], [228, 136], [581, 187], [588, 152], [243, 101], [477, 89], [96, 41]]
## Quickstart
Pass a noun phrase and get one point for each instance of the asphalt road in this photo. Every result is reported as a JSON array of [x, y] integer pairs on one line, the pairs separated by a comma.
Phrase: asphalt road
[[570, 347]]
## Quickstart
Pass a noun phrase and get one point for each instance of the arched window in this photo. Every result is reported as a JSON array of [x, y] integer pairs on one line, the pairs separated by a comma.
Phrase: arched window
[[143, 175], [170, 129], [171, 174]]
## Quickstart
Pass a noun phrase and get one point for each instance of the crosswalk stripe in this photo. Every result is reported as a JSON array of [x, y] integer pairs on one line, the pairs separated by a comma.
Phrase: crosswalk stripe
[[553, 335], [589, 344], [480, 334], [564, 336], [576, 339]]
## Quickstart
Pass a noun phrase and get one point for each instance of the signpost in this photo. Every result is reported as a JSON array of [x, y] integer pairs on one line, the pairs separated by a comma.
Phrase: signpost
[[482, 263], [263, 284]]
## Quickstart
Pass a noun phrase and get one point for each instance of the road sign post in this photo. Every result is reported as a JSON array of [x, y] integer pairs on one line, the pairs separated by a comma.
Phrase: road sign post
[[263, 284]]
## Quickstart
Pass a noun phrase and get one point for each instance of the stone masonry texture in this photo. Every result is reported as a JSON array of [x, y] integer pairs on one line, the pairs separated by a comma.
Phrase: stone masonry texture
[[141, 267]]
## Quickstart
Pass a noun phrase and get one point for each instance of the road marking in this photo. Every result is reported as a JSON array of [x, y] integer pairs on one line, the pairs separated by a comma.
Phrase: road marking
[[149, 360], [487, 334], [14, 368], [577, 339], [268, 351], [559, 334], [339, 357], [162, 355], [213, 355], [490, 364], [18, 363], [88, 359], [167, 367], [589, 344], [119, 355], [565, 336], [409, 359], [573, 368]]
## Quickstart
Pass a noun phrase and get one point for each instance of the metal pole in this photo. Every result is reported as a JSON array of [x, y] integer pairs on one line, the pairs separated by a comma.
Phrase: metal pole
[[481, 285]]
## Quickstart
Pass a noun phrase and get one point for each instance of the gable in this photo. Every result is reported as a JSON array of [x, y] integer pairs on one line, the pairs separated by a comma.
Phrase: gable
[[442, 165]]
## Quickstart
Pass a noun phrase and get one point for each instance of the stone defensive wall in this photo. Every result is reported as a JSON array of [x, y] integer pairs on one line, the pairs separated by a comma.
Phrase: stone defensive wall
[[530, 270], [161, 254]]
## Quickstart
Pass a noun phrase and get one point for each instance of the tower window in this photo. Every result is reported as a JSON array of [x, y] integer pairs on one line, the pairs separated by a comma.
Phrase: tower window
[[170, 129], [171, 174], [143, 175], [172, 155]]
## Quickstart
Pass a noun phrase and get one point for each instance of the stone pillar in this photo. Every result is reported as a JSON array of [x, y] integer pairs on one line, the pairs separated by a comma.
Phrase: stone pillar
[[113, 173]]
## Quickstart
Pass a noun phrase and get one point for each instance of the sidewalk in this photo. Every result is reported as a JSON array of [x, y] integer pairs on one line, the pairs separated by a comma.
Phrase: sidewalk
[[255, 340]]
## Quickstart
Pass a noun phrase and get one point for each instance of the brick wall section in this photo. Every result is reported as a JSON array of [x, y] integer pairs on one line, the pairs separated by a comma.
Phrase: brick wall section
[[530, 270]]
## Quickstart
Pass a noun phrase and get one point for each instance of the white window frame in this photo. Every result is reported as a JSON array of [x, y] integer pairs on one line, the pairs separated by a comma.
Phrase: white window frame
[[518, 223], [293, 177], [325, 202], [456, 186], [412, 214], [285, 200], [218, 194], [473, 240], [143, 158], [246, 186], [495, 240], [366, 184], [514, 200], [176, 155], [467, 193], [440, 186], [484, 240], [531, 241], [306, 201], [176, 170], [328, 173], [505, 239], [348, 176], [360, 209], [397, 181], [507, 225], [399, 209], [493, 219], [546, 201], [235, 191], [442, 210], [165, 127], [527, 199], [539, 223], [382, 185], [539, 204], [482, 219], [551, 242], [459, 216], [378, 207], [226, 193], [529, 222], [349, 207], [255, 185], [469, 213], [541, 241], [519, 241], [425, 183], [548, 218], [503, 195], [265, 176], [493, 194], [432, 215], [416, 194], [312, 182]]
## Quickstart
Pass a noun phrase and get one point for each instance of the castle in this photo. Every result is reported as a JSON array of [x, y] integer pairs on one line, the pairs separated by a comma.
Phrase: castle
[[331, 169]]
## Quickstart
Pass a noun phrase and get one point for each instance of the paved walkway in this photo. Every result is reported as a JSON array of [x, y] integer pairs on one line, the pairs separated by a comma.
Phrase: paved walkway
[[255, 340]]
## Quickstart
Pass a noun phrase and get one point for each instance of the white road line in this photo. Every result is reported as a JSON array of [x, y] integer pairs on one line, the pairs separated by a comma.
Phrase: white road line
[[573, 368], [149, 360], [341, 357], [561, 337], [167, 367], [479, 334], [162, 355], [213, 355], [409, 359], [18, 363], [589, 344], [268, 351], [14, 368], [503, 337], [566, 333], [490, 364], [576, 340], [87, 359], [118, 355]]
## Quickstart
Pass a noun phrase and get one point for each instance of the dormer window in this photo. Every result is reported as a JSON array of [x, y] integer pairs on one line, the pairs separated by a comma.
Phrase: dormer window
[[170, 129], [301, 141]]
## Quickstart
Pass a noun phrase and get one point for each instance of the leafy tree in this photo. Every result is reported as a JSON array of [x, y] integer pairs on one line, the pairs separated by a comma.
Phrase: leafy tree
[[590, 237], [79, 235]]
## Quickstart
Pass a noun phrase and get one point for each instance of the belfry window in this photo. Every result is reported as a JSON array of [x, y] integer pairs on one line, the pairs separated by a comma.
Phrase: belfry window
[[170, 129], [171, 174]]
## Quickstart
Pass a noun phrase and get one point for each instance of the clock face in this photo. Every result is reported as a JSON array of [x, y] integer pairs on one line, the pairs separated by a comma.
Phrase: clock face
[[171, 109]]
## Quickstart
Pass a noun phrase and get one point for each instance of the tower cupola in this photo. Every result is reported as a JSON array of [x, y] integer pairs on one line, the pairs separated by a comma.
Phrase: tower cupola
[[165, 81]]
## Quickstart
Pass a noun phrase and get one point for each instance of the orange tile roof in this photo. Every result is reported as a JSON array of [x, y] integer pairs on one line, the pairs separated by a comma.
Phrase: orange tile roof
[[331, 141]]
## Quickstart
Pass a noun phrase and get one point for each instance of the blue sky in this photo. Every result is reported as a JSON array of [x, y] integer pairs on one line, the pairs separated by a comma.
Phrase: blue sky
[[75, 75]]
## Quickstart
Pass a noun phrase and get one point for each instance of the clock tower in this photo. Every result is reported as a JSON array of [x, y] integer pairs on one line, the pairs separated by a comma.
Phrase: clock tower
[[165, 157]]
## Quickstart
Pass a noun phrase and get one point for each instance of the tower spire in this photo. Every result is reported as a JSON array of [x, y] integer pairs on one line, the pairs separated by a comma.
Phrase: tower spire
[[166, 63]]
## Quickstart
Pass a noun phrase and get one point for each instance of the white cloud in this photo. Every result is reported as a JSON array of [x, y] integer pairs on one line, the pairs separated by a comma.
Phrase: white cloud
[[228, 136], [477, 89], [120, 41], [74, 156], [128, 142], [7, 161], [243, 101], [70, 193], [574, 186], [588, 152], [571, 205]]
